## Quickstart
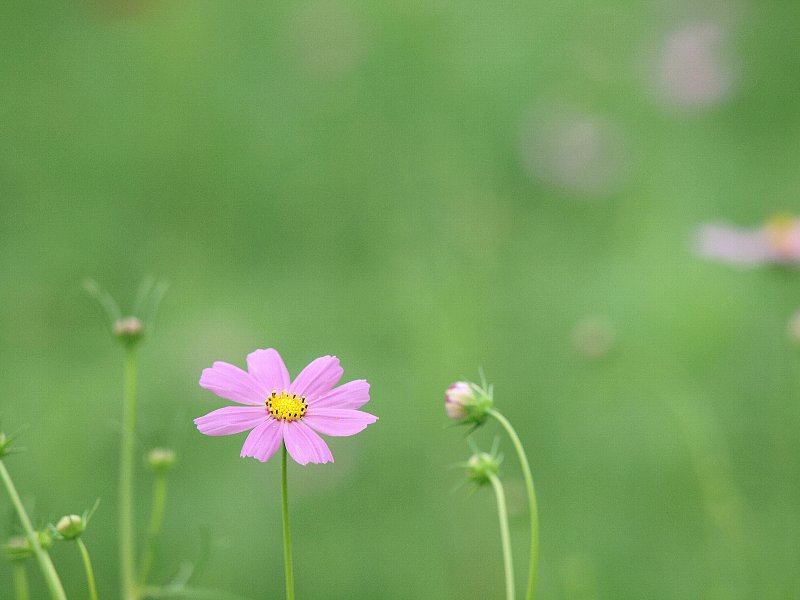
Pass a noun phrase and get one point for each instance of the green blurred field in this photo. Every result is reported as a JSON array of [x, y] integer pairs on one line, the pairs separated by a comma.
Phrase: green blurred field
[[348, 177]]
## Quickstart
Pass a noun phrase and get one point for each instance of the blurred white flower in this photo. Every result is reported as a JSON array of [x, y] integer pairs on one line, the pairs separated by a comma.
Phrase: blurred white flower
[[793, 328], [593, 337], [695, 69], [775, 242], [327, 36], [578, 153]]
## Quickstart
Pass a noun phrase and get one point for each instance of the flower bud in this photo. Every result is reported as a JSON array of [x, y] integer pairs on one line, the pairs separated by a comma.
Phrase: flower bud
[[467, 402], [17, 548], [45, 539], [161, 460], [456, 399], [482, 466], [128, 330], [71, 527]]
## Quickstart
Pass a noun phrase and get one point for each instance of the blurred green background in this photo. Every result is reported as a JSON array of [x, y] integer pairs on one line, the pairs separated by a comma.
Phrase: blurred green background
[[422, 188]]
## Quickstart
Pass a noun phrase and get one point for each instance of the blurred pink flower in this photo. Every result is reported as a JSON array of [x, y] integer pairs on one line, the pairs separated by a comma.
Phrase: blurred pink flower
[[574, 151], [775, 242], [279, 410], [695, 67]]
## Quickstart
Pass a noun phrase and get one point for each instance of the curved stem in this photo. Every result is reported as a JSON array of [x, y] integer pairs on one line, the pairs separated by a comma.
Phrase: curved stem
[[126, 525], [534, 516], [87, 564], [21, 582], [502, 513], [287, 539], [45, 564], [156, 521]]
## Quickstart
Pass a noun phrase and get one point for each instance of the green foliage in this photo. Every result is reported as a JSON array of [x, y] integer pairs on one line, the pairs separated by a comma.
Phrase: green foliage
[[346, 177]]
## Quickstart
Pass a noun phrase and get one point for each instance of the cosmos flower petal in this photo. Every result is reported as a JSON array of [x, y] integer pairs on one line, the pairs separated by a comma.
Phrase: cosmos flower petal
[[317, 378], [338, 421], [293, 414], [353, 394], [304, 445], [264, 440], [267, 367], [231, 383], [734, 245], [231, 419]]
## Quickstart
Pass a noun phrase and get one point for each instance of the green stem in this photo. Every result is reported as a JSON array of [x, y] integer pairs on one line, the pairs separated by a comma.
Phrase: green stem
[[508, 561], [45, 564], [87, 564], [21, 582], [126, 523], [287, 539], [156, 522], [526, 473]]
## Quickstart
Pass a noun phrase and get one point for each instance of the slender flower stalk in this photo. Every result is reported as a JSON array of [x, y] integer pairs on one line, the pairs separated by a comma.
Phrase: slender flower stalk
[[287, 537], [87, 565], [126, 465], [160, 460], [129, 331], [534, 511], [21, 583], [508, 561], [43, 558], [156, 522]]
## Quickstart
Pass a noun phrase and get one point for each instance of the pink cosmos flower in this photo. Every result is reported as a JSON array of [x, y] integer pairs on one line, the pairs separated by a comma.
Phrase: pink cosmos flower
[[775, 242], [279, 410]]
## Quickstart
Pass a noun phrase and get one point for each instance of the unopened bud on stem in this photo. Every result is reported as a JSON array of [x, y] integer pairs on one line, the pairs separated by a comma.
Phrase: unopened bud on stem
[[481, 466], [71, 527], [17, 548], [467, 402], [128, 329], [161, 460]]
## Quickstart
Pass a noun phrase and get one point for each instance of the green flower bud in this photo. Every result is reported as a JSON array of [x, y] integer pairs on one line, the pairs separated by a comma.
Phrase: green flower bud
[[481, 466], [161, 460], [17, 548], [71, 527], [45, 539]]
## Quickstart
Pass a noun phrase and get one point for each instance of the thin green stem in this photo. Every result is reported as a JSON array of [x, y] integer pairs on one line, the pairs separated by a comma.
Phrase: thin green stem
[[287, 538], [45, 564], [502, 513], [126, 522], [87, 564], [21, 582], [534, 516], [156, 522]]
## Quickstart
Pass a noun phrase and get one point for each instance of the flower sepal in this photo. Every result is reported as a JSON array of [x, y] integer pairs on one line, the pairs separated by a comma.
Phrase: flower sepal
[[131, 329], [7, 444]]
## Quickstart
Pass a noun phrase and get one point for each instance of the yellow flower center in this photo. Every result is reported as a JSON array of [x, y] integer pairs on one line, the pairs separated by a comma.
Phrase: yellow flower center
[[779, 229], [286, 406]]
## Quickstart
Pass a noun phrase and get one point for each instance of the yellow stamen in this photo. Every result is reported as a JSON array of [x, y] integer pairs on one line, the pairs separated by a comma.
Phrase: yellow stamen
[[286, 406], [779, 231]]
